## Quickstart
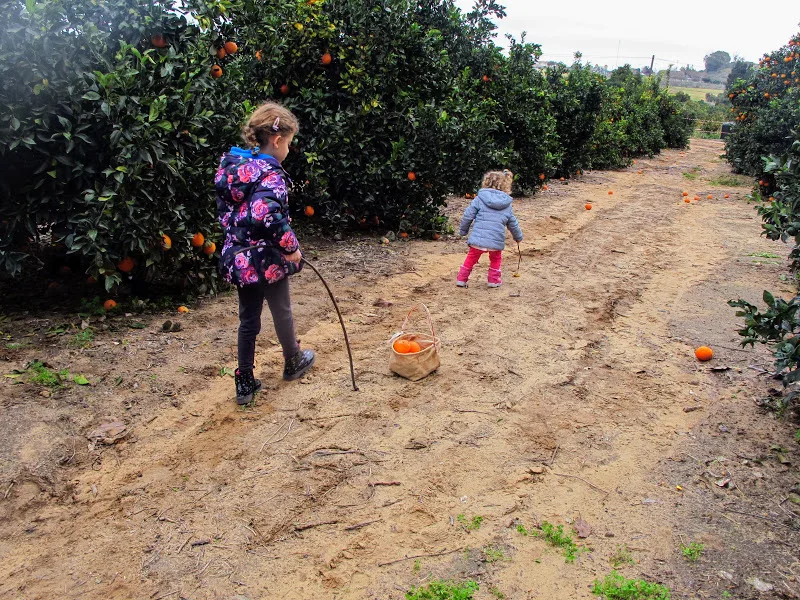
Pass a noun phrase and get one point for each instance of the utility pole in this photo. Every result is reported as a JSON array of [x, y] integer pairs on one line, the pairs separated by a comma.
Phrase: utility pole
[[652, 60]]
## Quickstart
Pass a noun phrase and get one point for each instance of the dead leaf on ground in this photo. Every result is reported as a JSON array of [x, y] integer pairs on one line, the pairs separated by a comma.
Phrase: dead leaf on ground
[[108, 433], [583, 528]]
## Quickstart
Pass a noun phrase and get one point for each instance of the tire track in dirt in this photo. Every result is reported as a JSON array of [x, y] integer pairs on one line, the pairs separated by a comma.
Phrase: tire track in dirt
[[566, 361]]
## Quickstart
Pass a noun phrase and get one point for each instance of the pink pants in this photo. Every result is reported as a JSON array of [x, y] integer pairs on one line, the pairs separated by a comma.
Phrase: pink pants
[[474, 254]]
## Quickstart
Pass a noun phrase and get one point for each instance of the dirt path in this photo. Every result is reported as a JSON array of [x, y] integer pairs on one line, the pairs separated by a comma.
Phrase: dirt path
[[580, 369]]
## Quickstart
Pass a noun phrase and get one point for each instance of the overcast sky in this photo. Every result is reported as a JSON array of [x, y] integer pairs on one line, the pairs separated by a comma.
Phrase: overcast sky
[[680, 31]]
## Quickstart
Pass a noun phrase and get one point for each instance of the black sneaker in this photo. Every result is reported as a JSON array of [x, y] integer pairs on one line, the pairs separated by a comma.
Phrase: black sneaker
[[296, 366], [246, 386]]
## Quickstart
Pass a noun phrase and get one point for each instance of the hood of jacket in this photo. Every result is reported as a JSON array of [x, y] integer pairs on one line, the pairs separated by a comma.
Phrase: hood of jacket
[[494, 198], [240, 171]]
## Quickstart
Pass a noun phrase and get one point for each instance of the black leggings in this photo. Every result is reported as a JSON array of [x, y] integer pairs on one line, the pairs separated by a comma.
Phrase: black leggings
[[251, 302]]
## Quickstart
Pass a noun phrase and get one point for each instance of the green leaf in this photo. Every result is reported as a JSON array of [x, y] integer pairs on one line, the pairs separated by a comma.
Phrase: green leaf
[[30, 6], [769, 298], [81, 380], [91, 96]]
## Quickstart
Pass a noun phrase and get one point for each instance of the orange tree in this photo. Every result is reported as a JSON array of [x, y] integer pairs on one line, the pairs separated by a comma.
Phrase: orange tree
[[576, 97], [110, 124], [766, 107], [765, 143]]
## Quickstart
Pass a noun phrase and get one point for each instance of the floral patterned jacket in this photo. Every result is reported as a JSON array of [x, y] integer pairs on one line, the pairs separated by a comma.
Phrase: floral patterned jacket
[[253, 209]]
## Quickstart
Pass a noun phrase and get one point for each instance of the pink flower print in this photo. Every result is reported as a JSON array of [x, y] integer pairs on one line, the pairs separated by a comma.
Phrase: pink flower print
[[274, 273], [260, 209], [220, 175], [248, 172], [230, 179], [226, 219], [272, 179], [289, 242], [249, 275], [241, 214], [237, 194], [280, 192], [261, 164], [241, 261]]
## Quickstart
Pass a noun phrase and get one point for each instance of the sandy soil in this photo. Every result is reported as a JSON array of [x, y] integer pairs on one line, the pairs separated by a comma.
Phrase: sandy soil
[[570, 392]]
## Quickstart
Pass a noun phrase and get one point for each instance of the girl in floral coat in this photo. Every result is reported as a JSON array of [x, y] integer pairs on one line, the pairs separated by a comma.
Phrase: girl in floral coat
[[260, 250]]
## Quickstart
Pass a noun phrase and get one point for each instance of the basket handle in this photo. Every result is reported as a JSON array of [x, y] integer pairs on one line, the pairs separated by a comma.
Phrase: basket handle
[[427, 312]]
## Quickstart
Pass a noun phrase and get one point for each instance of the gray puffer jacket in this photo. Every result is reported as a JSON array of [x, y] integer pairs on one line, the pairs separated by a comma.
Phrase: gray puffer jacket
[[491, 211]]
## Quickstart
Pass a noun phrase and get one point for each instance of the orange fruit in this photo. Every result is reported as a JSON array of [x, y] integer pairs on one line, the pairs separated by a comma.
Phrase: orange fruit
[[697, 197], [166, 242], [541, 176], [727, 195], [685, 193], [587, 206], [561, 179], [109, 304], [326, 59], [545, 188], [216, 71], [413, 347], [402, 347], [183, 309], [258, 55], [231, 47], [686, 200], [209, 248], [221, 53], [412, 176], [610, 193], [704, 353], [710, 196], [640, 172], [158, 40], [198, 239], [126, 264], [485, 78], [404, 235], [308, 211], [284, 89], [435, 236]]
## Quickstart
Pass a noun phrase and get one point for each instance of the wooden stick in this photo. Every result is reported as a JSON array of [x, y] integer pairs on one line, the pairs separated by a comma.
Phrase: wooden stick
[[549, 463], [341, 321], [590, 484], [184, 544], [442, 553], [360, 525], [739, 512], [270, 441], [311, 525]]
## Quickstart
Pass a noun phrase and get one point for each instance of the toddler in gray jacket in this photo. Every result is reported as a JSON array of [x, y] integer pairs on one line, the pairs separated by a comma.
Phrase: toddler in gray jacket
[[491, 214]]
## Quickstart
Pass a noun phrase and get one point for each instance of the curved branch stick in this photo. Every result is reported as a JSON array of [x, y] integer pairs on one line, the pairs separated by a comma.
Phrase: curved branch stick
[[341, 321]]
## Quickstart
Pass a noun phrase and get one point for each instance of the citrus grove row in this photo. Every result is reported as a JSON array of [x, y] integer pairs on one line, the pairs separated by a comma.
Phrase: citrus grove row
[[765, 144], [114, 115]]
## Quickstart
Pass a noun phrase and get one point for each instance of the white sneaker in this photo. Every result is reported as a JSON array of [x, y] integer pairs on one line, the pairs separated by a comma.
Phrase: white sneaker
[[494, 285], [461, 283]]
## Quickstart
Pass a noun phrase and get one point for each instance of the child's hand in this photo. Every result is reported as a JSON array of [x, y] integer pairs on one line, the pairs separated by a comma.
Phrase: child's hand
[[294, 257]]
